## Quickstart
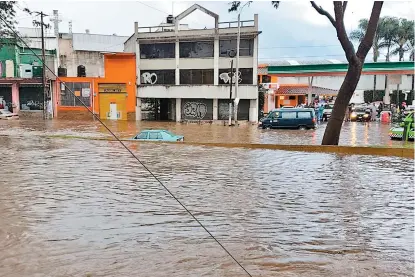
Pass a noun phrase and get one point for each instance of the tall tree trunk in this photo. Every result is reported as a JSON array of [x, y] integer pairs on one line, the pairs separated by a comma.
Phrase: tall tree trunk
[[355, 59], [332, 133]]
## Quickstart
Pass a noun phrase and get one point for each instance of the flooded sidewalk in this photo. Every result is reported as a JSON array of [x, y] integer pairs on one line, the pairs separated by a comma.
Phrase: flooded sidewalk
[[73, 207]]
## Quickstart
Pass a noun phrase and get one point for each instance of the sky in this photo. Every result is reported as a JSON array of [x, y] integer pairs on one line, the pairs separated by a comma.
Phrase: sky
[[294, 31]]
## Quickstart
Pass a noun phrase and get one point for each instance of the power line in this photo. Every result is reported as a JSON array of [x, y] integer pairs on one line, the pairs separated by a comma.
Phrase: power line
[[132, 154], [301, 46], [300, 57]]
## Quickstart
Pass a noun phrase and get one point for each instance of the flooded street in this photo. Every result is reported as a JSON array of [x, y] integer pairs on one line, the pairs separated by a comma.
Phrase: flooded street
[[72, 207], [353, 133]]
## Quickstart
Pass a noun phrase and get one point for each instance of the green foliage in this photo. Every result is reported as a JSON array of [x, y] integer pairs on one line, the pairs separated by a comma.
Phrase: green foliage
[[408, 101], [396, 35], [368, 95], [7, 15]]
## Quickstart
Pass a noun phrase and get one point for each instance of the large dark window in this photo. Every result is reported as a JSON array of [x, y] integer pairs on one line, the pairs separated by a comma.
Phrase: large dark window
[[245, 76], [266, 79], [158, 77], [157, 51], [196, 76], [31, 97], [198, 49], [82, 90], [246, 47]]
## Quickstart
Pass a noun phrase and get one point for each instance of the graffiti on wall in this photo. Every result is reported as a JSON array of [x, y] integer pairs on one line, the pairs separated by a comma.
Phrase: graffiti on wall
[[226, 76], [149, 78], [224, 111], [194, 110]]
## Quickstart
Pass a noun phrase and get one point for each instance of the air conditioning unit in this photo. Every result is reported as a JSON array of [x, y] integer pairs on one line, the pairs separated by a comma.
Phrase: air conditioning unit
[[26, 71]]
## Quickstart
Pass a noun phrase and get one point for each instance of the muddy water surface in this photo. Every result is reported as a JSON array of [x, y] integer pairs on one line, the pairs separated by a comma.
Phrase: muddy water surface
[[71, 207]]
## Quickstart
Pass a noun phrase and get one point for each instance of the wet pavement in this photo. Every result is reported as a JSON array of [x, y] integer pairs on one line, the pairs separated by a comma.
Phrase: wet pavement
[[71, 207]]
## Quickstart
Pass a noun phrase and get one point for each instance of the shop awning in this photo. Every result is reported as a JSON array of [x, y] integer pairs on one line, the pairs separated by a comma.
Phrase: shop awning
[[303, 90]]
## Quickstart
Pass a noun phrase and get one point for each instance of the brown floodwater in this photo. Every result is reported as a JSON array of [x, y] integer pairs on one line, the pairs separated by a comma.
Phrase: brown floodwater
[[353, 133], [71, 207]]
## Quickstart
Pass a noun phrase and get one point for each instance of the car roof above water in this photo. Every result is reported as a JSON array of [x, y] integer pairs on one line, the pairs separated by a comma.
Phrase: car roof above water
[[293, 110], [153, 130]]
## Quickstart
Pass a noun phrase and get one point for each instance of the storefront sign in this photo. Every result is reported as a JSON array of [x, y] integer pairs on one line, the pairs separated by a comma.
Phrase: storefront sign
[[86, 92], [112, 88], [395, 79]]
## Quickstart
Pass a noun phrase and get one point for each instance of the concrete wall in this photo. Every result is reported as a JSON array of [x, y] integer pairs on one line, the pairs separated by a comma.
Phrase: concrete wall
[[70, 59], [334, 82], [202, 91], [156, 64], [129, 45]]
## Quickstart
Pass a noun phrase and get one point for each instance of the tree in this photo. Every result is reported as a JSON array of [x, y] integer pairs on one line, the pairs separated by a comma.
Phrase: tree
[[389, 33], [7, 13], [402, 39], [355, 60], [359, 34]]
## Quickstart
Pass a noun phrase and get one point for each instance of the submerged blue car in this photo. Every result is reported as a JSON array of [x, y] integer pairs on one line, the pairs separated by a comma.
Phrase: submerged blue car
[[157, 135]]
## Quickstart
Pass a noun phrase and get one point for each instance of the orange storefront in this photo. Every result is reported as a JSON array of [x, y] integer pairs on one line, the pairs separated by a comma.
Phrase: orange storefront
[[110, 97], [280, 94]]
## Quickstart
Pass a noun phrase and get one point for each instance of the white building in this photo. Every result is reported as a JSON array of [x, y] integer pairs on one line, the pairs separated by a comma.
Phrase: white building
[[185, 72], [87, 49]]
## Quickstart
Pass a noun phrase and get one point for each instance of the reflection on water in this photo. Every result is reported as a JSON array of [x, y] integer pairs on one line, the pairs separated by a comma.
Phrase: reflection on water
[[72, 207]]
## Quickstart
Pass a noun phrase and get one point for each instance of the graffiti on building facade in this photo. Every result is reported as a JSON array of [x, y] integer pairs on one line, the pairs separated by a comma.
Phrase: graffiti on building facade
[[194, 110], [224, 111], [226, 76], [149, 78]]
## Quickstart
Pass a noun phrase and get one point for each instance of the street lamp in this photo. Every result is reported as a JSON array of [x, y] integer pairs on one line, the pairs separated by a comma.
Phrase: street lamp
[[238, 40], [231, 54]]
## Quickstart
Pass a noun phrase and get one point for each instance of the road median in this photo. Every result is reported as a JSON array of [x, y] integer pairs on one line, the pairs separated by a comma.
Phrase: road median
[[342, 150]]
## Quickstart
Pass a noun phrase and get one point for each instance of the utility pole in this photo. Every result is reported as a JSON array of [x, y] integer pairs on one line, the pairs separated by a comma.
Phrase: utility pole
[[230, 95], [238, 41], [56, 21], [43, 67], [45, 92]]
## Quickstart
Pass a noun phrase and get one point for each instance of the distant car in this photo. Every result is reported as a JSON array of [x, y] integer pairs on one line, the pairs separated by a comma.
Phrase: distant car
[[6, 114], [157, 135], [297, 118], [360, 114], [327, 112]]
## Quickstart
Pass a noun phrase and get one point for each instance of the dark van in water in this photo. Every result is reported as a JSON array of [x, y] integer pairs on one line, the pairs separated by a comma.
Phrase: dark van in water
[[300, 118]]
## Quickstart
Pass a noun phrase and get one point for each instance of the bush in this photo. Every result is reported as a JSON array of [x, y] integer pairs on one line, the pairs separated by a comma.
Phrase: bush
[[368, 95]]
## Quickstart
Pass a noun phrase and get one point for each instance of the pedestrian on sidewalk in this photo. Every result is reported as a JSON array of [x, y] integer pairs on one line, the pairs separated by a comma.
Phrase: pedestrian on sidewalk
[[320, 112]]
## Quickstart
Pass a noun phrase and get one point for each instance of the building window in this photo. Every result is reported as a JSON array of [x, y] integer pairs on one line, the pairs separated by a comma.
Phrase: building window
[[80, 89], [245, 76], [291, 97], [266, 79], [157, 51], [158, 77], [246, 47], [197, 49], [196, 76], [31, 97]]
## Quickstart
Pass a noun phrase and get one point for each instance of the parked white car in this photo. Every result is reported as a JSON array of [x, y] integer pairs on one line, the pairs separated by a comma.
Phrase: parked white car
[[6, 114]]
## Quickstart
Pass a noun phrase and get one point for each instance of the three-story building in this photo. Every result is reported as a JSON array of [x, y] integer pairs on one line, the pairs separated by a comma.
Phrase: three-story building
[[183, 74]]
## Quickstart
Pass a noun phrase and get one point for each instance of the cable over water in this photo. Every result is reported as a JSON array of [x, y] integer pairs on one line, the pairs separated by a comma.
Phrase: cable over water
[[132, 154]]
